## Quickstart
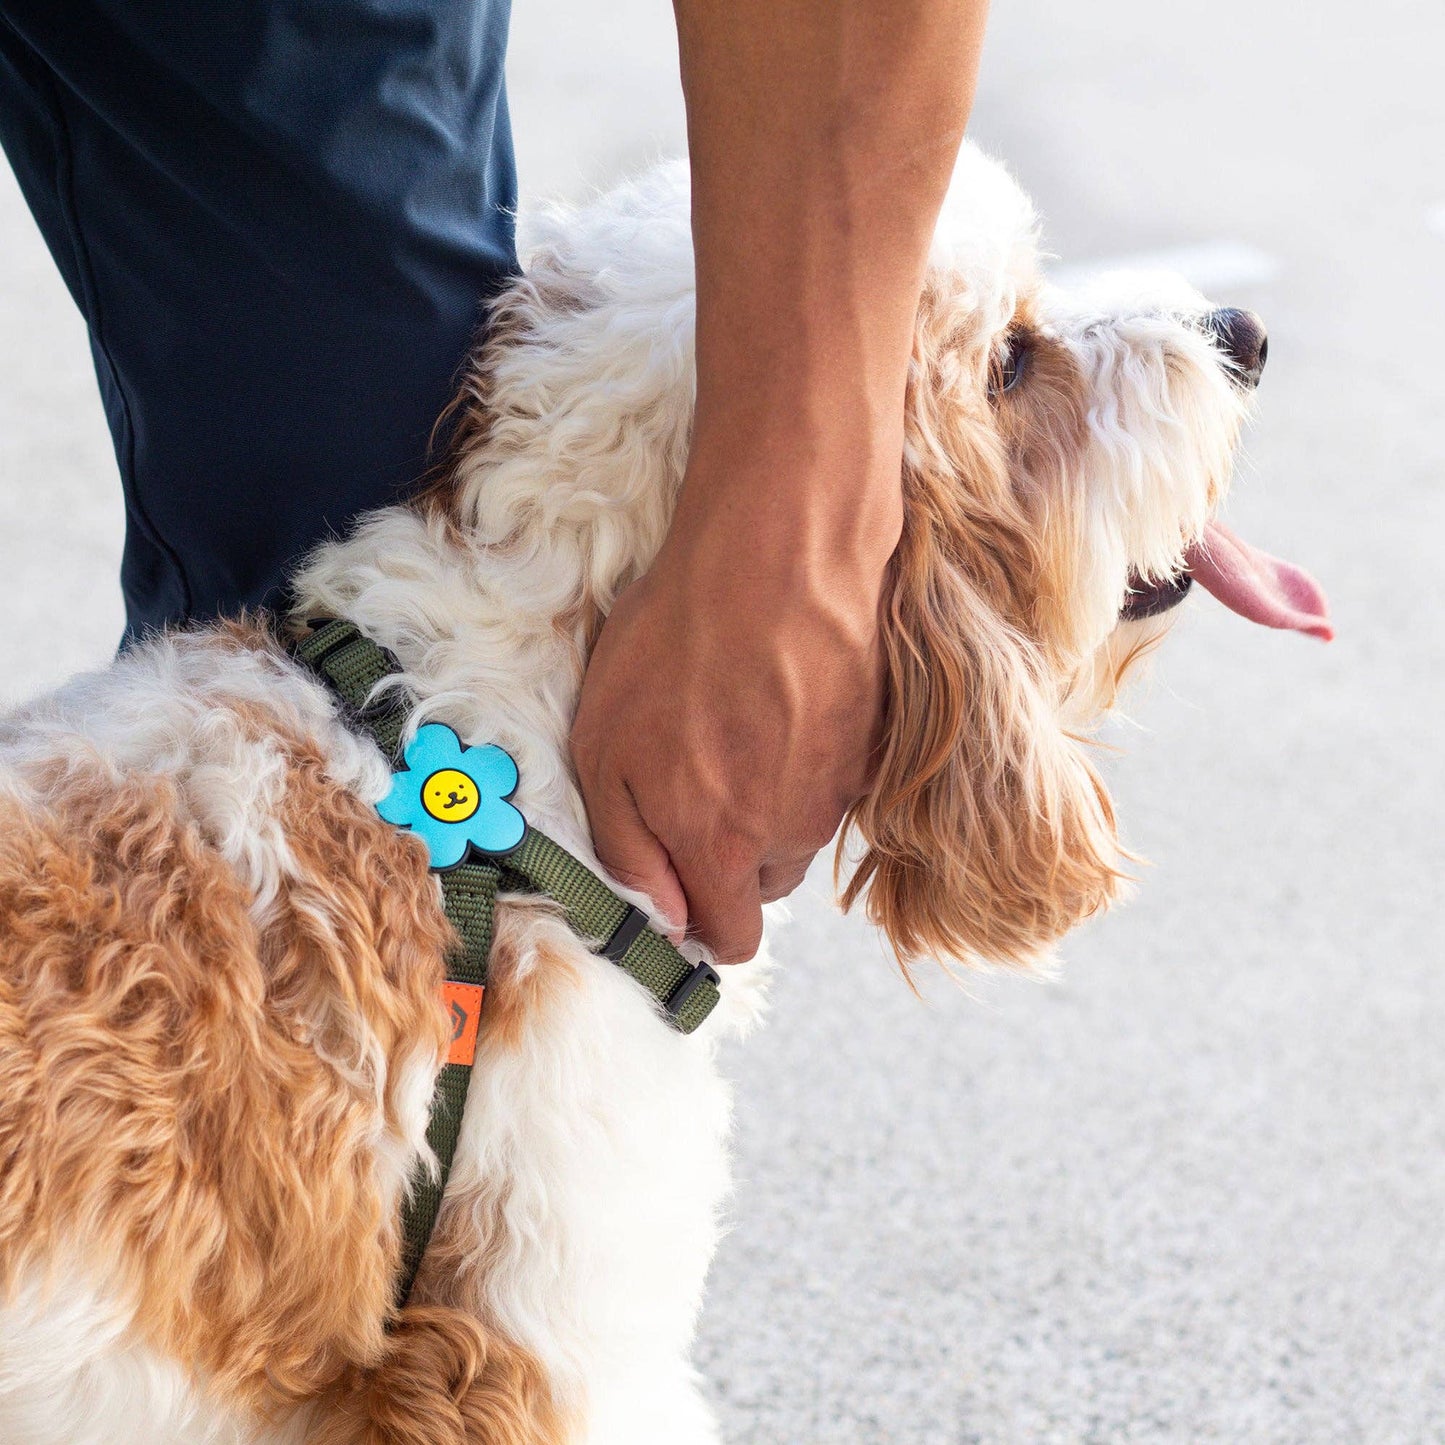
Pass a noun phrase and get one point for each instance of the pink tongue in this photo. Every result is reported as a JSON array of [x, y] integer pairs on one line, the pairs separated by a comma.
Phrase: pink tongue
[[1258, 586]]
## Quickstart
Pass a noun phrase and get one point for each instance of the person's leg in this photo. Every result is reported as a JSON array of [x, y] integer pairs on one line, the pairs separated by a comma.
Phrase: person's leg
[[279, 219]]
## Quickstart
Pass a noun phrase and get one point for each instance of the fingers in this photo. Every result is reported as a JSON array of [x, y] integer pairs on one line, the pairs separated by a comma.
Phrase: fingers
[[720, 905], [630, 851], [719, 737], [725, 906], [780, 878]]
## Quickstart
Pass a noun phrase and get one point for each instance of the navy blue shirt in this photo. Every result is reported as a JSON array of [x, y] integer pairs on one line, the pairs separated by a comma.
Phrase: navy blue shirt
[[279, 218]]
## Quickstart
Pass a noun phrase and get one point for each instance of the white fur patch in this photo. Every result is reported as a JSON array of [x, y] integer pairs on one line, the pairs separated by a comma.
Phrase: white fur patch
[[593, 1156], [73, 1373]]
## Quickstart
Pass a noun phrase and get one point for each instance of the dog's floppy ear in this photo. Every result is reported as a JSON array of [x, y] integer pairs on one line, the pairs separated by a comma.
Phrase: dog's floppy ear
[[988, 833]]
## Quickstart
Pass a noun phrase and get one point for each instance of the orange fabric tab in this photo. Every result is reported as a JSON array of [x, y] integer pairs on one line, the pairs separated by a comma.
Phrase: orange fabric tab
[[464, 1007]]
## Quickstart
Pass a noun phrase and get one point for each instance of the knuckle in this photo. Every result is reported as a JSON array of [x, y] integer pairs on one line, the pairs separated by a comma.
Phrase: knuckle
[[735, 855], [720, 851]]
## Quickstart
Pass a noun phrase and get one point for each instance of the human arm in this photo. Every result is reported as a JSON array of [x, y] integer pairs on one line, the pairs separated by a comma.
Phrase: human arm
[[735, 694]]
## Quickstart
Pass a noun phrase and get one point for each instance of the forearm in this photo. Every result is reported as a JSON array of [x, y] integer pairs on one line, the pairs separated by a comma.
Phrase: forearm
[[822, 136]]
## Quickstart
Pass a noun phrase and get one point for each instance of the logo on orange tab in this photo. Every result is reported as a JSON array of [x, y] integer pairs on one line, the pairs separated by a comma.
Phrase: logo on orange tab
[[464, 1008]]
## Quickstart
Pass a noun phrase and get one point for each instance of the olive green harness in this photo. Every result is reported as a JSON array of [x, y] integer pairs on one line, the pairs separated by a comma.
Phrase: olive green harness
[[352, 666]]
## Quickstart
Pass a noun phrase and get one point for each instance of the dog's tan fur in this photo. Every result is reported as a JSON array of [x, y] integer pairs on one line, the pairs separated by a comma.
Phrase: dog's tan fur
[[220, 1017], [987, 831], [446, 1380], [168, 1107]]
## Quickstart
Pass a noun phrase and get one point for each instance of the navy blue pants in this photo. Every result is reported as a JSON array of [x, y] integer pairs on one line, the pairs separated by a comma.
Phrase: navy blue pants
[[279, 218]]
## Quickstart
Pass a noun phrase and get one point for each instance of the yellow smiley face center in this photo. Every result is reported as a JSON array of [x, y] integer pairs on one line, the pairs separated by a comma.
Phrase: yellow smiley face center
[[450, 795]]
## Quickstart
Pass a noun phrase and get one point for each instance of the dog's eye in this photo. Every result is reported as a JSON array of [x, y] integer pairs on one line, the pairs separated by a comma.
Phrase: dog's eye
[[1007, 367]]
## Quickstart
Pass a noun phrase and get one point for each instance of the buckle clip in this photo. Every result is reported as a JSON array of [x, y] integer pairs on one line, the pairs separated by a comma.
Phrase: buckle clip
[[677, 1000], [625, 934]]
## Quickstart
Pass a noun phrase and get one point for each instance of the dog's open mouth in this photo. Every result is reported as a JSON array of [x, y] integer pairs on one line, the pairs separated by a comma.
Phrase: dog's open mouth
[[1150, 599], [1261, 588]]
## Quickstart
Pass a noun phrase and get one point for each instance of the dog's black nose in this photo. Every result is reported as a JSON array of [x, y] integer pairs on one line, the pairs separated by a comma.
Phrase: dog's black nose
[[1241, 335]]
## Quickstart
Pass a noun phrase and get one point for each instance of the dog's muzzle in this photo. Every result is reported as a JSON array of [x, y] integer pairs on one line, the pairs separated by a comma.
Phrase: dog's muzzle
[[1244, 342]]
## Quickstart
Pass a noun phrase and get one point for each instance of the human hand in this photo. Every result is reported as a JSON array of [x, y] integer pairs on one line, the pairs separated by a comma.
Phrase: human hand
[[732, 702], [735, 695]]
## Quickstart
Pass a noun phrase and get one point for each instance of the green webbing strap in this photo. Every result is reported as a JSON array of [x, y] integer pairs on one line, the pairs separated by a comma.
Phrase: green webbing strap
[[352, 664], [688, 992], [469, 895]]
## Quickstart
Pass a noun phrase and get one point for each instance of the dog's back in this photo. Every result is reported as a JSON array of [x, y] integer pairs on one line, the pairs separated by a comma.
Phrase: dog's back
[[219, 1032], [214, 984]]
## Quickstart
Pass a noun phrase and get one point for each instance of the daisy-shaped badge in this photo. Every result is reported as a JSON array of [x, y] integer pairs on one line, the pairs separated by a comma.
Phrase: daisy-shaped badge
[[454, 797]]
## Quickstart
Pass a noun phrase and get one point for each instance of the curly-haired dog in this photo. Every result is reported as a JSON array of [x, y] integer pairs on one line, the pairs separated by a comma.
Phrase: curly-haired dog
[[219, 967]]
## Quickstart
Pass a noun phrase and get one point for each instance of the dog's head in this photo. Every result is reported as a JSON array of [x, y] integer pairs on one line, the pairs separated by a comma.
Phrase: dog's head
[[1065, 455]]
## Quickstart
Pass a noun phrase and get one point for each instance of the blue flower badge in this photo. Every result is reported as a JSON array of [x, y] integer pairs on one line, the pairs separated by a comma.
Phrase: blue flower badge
[[454, 796]]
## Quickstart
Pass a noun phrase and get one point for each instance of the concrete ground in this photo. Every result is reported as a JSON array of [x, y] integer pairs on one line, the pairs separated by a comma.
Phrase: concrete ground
[[1194, 1190]]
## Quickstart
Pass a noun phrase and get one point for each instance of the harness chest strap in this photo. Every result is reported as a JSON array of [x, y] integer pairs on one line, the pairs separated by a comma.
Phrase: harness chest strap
[[352, 665]]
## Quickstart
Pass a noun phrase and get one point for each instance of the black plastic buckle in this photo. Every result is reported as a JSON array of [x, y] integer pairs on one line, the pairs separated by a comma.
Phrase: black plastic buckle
[[677, 999], [625, 934], [389, 708]]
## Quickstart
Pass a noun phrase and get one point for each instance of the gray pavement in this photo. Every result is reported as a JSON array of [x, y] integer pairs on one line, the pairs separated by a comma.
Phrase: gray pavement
[[1195, 1189]]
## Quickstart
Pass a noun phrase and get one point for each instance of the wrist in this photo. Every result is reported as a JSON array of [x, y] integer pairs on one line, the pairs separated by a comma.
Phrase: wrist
[[807, 475], [757, 542]]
